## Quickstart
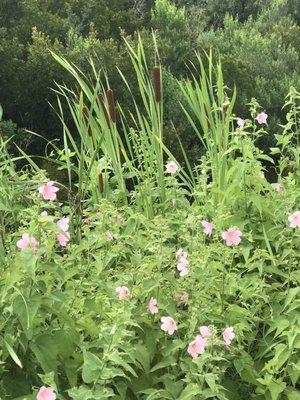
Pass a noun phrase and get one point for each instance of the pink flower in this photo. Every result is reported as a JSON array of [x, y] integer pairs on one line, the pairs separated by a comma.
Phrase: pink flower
[[63, 224], [124, 292], [109, 235], [197, 346], [241, 122], [152, 306], [27, 242], [63, 237], [182, 266], [48, 191], [278, 187], [232, 236], [171, 167], [168, 325], [46, 394], [294, 219], [207, 227], [262, 118], [205, 331], [228, 335], [183, 271], [181, 254], [183, 263]]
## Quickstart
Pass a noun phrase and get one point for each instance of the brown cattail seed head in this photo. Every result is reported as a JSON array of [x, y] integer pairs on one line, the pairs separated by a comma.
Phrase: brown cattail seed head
[[112, 106], [100, 183], [156, 79], [225, 106], [85, 112], [104, 109]]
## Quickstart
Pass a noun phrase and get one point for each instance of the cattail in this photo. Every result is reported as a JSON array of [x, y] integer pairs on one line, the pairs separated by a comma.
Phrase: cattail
[[85, 112], [104, 109], [207, 116], [112, 106], [100, 183], [156, 79], [225, 106]]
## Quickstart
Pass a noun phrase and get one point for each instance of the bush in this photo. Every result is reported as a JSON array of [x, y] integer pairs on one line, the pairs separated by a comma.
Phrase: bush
[[259, 61]]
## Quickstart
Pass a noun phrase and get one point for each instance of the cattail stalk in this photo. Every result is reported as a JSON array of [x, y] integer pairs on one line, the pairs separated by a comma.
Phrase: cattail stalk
[[207, 116], [104, 109], [112, 106], [156, 80], [85, 112]]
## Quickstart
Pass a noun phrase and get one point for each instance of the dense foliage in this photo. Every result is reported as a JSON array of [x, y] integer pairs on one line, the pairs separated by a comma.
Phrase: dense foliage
[[141, 277]]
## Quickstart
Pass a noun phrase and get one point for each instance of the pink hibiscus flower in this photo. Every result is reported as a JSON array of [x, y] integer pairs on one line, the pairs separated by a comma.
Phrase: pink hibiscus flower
[[46, 394], [205, 331], [241, 122], [123, 292], [182, 266], [63, 224], [152, 306], [63, 237], [171, 167], [168, 325], [228, 335], [207, 227], [48, 191], [27, 242], [294, 220], [262, 118], [232, 236], [197, 346]]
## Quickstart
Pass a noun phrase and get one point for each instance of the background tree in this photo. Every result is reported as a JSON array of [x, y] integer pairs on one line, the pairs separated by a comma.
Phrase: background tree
[[258, 43]]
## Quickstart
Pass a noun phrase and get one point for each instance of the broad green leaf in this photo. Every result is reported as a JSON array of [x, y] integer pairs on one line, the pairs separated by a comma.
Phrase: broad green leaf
[[13, 354]]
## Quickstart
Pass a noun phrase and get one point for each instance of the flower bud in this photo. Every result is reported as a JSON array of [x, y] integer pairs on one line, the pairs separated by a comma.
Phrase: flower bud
[[225, 106]]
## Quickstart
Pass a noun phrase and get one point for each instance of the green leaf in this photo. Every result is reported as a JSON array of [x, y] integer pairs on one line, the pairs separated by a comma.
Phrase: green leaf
[[276, 388], [92, 366], [66, 341], [26, 311], [168, 361], [13, 354], [81, 393], [292, 394], [117, 359], [45, 350], [190, 392]]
